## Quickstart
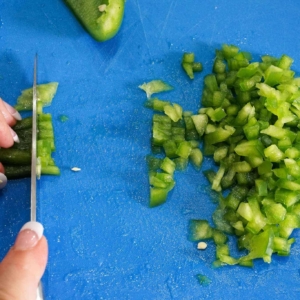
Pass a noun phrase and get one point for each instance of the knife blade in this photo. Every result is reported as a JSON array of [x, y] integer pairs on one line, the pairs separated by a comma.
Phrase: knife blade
[[33, 146], [34, 159]]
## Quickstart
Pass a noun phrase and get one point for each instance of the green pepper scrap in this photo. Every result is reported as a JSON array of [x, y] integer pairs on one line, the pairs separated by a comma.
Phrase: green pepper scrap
[[189, 65], [101, 18]]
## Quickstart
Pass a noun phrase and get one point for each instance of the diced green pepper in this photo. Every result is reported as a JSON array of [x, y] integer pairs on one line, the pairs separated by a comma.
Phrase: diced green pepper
[[219, 237], [260, 246], [189, 65], [168, 165], [170, 148], [158, 196], [203, 280], [219, 135], [286, 197], [200, 230], [281, 246], [275, 212], [45, 94], [196, 157], [156, 104], [174, 112], [184, 149], [274, 154], [200, 122], [155, 86]]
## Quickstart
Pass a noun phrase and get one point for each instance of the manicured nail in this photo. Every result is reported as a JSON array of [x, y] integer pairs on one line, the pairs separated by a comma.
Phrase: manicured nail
[[13, 111], [15, 136], [3, 180], [29, 236]]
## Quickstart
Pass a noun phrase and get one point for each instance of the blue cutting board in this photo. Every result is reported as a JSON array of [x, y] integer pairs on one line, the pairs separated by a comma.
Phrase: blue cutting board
[[104, 242]]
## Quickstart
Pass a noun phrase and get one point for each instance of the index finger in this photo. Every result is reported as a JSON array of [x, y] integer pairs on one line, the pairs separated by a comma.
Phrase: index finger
[[8, 113], [6, 137]]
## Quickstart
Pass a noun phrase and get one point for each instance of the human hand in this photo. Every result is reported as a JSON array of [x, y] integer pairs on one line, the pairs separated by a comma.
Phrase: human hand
[[8, 118], [24, 264]]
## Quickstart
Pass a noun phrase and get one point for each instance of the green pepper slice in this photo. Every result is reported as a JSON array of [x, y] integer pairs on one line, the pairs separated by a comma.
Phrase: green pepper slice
[[101, 18]]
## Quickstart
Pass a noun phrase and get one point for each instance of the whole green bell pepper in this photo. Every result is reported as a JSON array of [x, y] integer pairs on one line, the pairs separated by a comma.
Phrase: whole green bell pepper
[[101, 18]]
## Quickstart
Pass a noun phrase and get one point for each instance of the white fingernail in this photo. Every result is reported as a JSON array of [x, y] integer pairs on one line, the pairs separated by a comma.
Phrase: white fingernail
[[37, 227], [3, 180], [15, 136], [13, 112], [29, 236], [17, 116]]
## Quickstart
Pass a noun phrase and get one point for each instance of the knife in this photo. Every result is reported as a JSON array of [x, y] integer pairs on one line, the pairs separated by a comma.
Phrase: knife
[[33, 161], [33, 146]]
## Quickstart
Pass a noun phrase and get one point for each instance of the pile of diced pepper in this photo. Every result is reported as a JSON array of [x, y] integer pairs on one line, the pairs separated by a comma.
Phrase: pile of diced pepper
[[249, 123]]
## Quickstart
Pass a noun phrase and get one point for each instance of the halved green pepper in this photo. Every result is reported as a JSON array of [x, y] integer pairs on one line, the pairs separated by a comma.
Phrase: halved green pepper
[[101, 18]]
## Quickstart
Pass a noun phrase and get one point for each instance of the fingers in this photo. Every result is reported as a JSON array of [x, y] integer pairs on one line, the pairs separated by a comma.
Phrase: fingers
[[13, 112], [24, 264], [6, 137], [3, 178], [8, 117], [9, 113]]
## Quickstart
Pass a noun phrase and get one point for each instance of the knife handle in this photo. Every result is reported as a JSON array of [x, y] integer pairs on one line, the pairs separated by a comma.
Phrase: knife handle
[[39, 293]]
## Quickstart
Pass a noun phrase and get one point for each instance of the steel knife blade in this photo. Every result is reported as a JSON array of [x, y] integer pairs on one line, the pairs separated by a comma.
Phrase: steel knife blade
[[34, 159], [33, 146]]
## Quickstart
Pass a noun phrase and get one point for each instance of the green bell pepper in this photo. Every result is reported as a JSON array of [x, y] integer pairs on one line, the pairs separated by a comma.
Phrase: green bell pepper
[[101, 18]]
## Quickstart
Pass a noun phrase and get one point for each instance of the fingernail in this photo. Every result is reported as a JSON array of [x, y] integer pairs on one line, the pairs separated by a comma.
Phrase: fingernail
[[17, 116], [15, 136], [3, 180], [13, 112], [29, 236]]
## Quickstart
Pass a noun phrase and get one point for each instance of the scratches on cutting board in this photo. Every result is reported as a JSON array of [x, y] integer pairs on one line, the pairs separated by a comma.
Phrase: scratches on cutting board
[[48, 19], [170, 10], [186, 33], [50, 22], [111, 51], [212, 38], [115, 58], [143, 27]]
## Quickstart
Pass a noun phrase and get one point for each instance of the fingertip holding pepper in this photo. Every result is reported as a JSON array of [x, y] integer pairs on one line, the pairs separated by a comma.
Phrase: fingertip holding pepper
[[3, 180], [13, 112], [14, 136]]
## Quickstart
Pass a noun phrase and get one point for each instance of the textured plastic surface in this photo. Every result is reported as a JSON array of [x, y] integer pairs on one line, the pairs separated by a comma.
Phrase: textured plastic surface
[[105, 243]]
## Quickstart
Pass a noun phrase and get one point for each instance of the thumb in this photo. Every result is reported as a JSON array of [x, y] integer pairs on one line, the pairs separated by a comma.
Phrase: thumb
[[24, 264]]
